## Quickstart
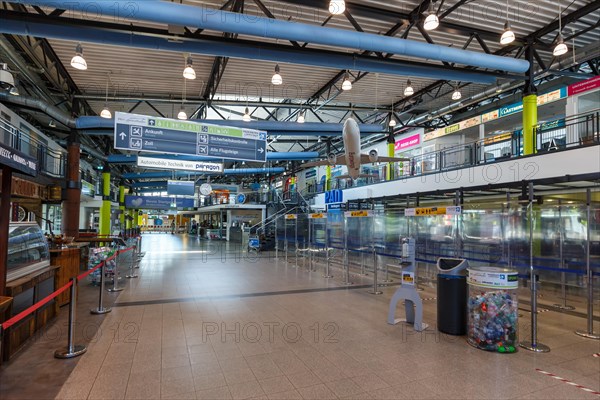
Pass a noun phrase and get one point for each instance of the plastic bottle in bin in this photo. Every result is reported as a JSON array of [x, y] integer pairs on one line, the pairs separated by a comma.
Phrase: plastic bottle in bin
[[493, 309]]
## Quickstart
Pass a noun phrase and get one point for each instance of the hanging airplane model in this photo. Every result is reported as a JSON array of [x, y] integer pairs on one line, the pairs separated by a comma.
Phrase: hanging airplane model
[[352, 157]]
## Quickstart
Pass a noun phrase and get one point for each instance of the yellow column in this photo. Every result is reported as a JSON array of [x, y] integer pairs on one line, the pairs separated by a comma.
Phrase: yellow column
[[105, 208], [390, 168], [529, 122], [122, 206], [328, 177]]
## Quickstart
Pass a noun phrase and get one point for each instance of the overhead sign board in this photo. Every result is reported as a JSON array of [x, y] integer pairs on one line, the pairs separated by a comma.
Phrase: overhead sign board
[[407, 142], [17, 160], [336, 206], [316, 216], [358, 214], [425, 211], [157, 203], [181, 188], [580, 87], [163, 135], [181, 165], [291, 216]]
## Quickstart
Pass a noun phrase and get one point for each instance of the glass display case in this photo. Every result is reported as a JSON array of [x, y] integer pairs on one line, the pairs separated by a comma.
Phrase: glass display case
[[27, 250]]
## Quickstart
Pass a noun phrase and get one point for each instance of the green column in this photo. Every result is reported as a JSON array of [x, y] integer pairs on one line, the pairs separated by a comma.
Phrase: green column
[[529, 122], [391, 147], [328, 177], [105, 208]]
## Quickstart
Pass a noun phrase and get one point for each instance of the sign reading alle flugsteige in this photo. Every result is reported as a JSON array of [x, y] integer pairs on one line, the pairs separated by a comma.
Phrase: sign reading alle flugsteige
[[181, 165]]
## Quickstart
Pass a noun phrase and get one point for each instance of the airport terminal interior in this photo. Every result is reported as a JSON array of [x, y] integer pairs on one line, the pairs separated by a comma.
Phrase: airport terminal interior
[[316, 199]]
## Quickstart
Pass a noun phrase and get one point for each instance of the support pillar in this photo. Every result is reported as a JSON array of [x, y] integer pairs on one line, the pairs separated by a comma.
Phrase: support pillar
[[529, 105], [4, 222], [71, 204], [328, 168], [391, 152], [122, 218], [529, 123], [105, 209]]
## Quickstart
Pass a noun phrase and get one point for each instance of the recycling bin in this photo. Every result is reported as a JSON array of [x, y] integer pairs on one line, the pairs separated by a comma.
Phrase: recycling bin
[[452, 296], [493, 309]]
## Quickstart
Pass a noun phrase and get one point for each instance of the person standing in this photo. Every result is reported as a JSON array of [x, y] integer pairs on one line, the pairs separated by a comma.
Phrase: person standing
[[173, 227]]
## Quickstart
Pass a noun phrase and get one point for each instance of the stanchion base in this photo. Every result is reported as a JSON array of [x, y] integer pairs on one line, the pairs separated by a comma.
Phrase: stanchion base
[[538, 348], [588, 335], [327, 276], [115, 289], [561, 307], [375, 292], [98, 311], [65, 353], [131, 276]]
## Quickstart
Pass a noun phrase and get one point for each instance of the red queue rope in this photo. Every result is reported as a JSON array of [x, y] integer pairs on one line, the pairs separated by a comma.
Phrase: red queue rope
[[88, 272], [10, 322]]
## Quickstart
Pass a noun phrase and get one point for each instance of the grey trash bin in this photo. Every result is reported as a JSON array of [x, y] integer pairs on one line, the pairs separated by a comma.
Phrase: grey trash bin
[[452, 296]]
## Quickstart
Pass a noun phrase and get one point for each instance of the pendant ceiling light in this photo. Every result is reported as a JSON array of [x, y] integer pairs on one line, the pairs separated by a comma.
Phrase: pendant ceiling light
[[337, 7], [432, 21], [182, 114], [456, 95], [392, 122], [508, 36], [276, 79], [78, 62], [408, 90], [347, 85], [561, 48], [106, 112], [246, 117], [301, 117], [188, 72]]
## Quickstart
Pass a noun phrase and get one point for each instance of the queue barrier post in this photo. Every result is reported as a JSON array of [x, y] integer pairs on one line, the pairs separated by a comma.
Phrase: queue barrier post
[[327, 264], [115, 287], [101, 309], [375, 267], [132, 265], [533, 344], [72, 350], [589, 333]]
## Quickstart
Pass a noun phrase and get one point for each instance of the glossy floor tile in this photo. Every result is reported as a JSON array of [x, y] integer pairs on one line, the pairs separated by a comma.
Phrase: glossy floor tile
[[207, 321]]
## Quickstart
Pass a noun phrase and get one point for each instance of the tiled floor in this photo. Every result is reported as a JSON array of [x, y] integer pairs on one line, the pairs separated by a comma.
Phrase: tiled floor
[[206, 323]]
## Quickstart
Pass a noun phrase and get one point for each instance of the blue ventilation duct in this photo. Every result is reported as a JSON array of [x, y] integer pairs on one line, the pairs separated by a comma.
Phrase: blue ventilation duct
[[312, 57], [183, 174], [272, 127], [201, 17], [132, 158]]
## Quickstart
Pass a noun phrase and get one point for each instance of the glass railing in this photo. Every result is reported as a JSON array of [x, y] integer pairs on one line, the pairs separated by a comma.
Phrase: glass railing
[[50, 162], [567, 133]]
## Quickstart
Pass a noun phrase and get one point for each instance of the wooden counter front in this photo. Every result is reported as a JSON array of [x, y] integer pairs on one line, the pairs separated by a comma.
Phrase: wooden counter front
[[69, 261]]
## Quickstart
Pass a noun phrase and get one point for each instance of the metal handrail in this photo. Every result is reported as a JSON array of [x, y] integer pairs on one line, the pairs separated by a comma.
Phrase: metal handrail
[[50, 162], [273, 218]]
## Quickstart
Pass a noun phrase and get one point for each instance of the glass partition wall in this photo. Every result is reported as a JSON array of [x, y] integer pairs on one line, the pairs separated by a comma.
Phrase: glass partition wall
[[486, 235]]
